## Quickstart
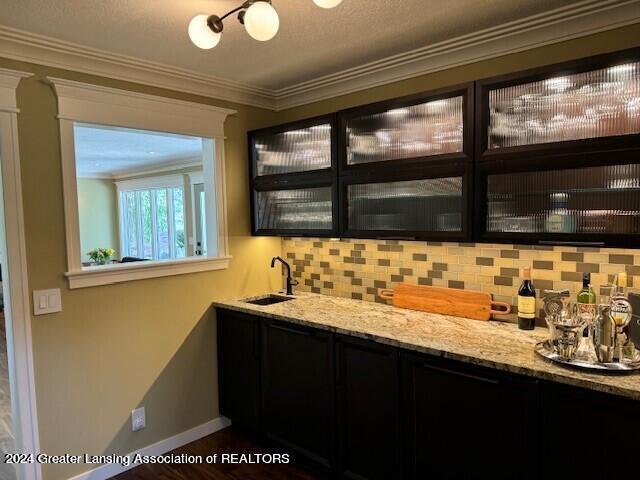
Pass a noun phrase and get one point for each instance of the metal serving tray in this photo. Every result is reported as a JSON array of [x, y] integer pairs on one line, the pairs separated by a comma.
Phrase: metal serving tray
[[545, 349]]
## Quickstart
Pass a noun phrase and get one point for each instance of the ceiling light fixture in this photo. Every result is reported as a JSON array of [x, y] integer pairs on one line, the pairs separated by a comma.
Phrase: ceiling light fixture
[[327, 3], [259, 18]]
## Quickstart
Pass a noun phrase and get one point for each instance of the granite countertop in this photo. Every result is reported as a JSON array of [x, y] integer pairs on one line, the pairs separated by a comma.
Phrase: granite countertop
[[492, 344]]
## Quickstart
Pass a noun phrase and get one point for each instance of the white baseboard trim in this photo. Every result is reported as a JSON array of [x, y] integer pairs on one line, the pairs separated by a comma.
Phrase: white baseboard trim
[[104, 472]]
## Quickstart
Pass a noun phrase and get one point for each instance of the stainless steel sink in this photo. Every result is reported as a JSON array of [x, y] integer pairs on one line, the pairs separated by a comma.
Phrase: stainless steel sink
[[268, 300]]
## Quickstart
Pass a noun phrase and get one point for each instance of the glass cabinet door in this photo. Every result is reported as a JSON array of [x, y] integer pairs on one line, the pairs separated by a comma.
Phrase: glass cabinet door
[[594, 104], [585, 201], [295, 149], [414, 131], [295, 210], [406, 207]]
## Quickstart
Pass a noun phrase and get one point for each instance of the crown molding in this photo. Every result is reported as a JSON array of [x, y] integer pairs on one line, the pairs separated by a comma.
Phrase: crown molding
[[561, 24], [558, 25], [29, 47]]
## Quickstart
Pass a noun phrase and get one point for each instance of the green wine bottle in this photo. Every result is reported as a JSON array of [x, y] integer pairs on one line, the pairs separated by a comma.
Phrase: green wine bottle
[[587, 302]]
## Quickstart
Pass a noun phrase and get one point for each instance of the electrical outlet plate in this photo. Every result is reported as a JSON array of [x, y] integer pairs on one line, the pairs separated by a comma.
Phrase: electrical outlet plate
[[138, 419]]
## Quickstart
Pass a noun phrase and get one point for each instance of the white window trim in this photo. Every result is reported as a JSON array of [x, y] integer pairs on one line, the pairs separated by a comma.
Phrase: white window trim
[[85, 103], [161, 181], [17, 297]]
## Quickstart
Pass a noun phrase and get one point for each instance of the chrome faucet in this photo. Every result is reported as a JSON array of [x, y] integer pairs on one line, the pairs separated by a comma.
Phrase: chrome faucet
[[290, 281]]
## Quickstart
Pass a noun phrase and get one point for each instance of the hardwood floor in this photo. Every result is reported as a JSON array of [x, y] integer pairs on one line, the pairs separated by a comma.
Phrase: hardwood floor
[[229, 440]]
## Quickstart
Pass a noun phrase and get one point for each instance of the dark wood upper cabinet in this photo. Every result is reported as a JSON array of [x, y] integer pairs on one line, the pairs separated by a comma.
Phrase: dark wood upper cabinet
[[406, 167], [586, 105], [413, 130], [293, 148], [558, 154], [295, 205], [589, 199], [427, 202], [293, 178], [548, 155]]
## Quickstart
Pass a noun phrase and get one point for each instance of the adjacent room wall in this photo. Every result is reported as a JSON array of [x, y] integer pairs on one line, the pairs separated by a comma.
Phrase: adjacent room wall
[[98, 214], [149, 342]]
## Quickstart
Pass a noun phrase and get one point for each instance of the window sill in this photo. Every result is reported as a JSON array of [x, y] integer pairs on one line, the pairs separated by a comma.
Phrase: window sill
[[125, 272]]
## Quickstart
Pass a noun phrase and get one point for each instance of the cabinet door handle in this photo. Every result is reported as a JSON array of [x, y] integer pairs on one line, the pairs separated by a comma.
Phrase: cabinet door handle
[[461, 374], [291, 330], [584, 244]]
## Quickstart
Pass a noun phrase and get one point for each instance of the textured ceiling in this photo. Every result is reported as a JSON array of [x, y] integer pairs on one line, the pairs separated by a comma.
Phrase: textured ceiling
[[105, 151], [311, 42]]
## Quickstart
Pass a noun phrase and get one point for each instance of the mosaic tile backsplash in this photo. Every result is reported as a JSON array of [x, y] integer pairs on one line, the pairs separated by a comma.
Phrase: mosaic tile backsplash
[[355, 268]]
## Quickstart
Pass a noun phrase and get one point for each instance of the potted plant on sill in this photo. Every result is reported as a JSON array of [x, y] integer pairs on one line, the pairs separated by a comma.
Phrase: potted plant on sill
[[101, 256]]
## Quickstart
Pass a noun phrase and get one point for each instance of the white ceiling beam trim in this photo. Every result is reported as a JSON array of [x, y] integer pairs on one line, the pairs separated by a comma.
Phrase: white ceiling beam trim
[[565, 23], [82, 102], [9, 80]]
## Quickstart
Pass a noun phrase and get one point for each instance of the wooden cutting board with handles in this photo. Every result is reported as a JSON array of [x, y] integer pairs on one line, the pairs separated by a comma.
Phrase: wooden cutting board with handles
[[445, 301]]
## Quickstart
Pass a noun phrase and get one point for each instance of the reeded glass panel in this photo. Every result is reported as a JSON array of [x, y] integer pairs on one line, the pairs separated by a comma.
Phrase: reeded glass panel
[[587, 200], [294, 151], [415, 205], [594, 104], [301, 209], [429, 128]]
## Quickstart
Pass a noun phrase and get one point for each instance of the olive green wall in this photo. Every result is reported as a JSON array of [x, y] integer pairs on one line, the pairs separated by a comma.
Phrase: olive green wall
[[152, 342], [98, 215], [148, 342]]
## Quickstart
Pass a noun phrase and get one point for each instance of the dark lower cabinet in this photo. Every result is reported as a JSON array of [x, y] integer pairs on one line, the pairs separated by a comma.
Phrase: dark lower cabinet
[[464, 422], [239, 367], [354, 409], [589, 435], [298, 391], [367, 387]]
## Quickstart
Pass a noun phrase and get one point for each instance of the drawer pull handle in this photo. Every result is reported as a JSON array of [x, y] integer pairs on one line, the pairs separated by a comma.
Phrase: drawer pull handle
[[291, 330], [461, 374]]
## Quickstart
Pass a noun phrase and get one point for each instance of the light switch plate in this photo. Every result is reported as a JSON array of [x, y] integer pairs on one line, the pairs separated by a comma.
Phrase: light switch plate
[[47, 301]]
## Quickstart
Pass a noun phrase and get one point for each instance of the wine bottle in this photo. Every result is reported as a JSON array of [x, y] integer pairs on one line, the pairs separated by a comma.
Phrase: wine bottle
[[620, 307], [587, 302], [526, 302]]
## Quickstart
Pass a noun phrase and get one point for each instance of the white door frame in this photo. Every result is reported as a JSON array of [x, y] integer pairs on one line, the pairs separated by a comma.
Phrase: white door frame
[[18, 306]]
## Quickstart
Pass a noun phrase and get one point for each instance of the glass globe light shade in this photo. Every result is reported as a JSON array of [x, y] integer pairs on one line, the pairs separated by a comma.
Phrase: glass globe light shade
[[200, 33], [261, 21], [327, 3]]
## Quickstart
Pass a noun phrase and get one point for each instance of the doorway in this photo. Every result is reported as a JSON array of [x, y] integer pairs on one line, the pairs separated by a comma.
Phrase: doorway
[[18, 425]]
